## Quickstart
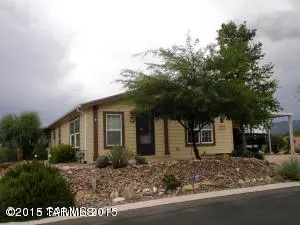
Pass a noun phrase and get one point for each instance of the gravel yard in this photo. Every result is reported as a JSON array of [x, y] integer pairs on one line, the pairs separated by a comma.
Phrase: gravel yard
[[144, 182]]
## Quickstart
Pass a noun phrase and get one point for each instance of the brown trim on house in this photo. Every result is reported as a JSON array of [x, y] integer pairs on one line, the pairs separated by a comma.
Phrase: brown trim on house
[[166, 137], [205, 144], [104, 128], [95, 131]]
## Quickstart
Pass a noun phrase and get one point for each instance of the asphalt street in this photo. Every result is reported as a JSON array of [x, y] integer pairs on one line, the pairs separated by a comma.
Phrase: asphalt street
[[279, 207]]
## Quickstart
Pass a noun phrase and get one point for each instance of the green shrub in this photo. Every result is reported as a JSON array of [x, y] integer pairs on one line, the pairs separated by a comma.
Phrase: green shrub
[[3, 154], [118, 156], [80, 156], [140, 160], [102, 161], [39, 149], [63, 153], [289, 170], [258, 155], [7, 154], [171, 182], [277, 144], [33, 185]]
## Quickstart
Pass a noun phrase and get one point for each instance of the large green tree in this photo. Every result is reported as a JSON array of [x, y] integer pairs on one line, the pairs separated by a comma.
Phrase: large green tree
[[20, 131], [179, 85], [248, 82]]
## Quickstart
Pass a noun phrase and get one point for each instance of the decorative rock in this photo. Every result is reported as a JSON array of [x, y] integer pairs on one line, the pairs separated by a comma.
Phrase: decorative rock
[[70, 172], [114, 194], [129, 193], [119, 199], [65, 168], [261, 179], [160, 193], [162, 190], [247, 180], [146, 190], [241, 181], [187, 187], [253, 180], [268, 179], [178, 190], [237, 169], [154, 190], [131, 161]]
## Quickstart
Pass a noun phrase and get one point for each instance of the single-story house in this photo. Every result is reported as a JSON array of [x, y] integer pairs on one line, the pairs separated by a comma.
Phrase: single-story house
[[96, 126]]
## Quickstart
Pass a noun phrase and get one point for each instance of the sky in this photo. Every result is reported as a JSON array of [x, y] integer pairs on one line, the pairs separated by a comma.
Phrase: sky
[[55, 54]]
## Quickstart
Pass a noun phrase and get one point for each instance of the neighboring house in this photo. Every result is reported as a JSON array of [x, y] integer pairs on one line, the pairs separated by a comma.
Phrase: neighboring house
[[96, 126]]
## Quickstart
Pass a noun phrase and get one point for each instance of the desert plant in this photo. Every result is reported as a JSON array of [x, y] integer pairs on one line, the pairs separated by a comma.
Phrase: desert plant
[[3, 154], [289, 170], [277, 144], [140, 160], [39, 149], [102, 161], [171, 182], [118, 156], [8, 154], [33, 185], [63, 153]]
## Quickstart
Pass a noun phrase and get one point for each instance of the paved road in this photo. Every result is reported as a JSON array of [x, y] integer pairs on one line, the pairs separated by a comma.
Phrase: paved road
[[280, 207]]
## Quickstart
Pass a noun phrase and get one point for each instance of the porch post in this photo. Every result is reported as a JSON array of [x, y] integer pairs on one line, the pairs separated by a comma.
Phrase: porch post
[[291, 134], [270, 142]]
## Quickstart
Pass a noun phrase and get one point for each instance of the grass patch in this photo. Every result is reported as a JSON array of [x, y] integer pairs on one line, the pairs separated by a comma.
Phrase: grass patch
[[289, 170]]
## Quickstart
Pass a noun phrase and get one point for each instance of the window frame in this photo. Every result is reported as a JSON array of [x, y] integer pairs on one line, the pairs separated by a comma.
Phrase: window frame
[[122, 131], [201, 143], [71, 134]]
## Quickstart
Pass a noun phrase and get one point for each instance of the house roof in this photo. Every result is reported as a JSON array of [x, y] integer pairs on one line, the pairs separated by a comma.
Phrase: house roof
[[75, 110]]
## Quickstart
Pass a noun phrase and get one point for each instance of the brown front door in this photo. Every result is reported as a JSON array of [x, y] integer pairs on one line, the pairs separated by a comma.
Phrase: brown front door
[[145, 135]]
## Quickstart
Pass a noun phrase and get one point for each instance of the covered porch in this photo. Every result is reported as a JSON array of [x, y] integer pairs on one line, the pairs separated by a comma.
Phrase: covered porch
[[291, 131]]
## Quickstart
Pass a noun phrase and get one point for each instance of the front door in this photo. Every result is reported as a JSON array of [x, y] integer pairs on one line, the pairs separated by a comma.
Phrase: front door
[[145, 135]]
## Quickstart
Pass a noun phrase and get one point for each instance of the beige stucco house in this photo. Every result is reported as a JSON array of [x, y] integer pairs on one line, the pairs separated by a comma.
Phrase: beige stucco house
[[95, 126]]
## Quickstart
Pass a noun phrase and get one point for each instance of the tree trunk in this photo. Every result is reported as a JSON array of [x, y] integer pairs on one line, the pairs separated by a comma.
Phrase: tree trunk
[[244, 143], [196, 151]]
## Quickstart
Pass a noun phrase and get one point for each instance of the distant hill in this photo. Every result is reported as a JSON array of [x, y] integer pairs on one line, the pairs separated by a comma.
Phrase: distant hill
[[282, 127]]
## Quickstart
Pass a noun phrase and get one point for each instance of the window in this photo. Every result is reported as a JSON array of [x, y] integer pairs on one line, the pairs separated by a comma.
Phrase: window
[[205, 136], [113, 129], [54, 135], [74, 128]]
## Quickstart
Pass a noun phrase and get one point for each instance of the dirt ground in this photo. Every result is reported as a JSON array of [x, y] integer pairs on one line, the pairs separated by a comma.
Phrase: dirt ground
[[279, 159]]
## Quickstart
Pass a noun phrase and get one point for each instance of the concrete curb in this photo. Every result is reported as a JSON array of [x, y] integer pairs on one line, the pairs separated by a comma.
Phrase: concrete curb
[[176, 199]]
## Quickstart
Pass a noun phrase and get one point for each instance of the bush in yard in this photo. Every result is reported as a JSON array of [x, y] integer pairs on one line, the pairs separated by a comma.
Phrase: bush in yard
[[171, 182], [3, 154], [33, 185], [102, 161], [277, 144], [289, 170], [63, 153], [8, 155], [258, 155], [39, 149], [140, 160], [118, 156]]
